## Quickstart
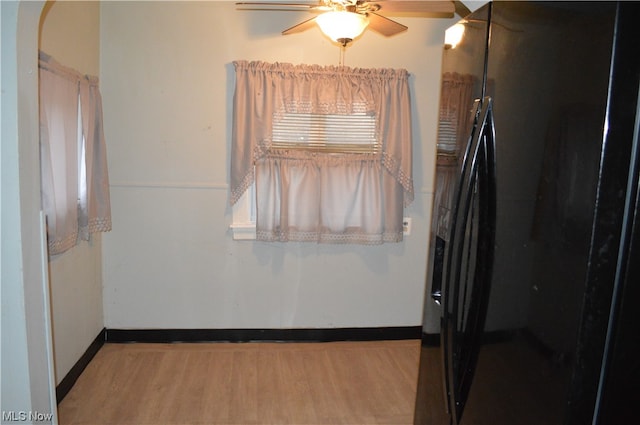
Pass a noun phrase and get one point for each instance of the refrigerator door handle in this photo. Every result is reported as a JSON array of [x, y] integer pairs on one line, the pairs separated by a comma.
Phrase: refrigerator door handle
[[462, 345], [440, 244], [446, 338]]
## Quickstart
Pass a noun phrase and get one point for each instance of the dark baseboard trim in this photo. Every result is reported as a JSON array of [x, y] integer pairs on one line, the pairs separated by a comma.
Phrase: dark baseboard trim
[[229, 335], [262, 335], [63, 388], [430, 340]]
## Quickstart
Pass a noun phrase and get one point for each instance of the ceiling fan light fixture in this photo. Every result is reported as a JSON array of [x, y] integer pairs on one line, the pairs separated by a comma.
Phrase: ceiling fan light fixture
[[342, 25]]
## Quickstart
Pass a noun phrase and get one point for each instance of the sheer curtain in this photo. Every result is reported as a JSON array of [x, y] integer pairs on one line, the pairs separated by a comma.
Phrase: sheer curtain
[[75, 181], [338, 196]]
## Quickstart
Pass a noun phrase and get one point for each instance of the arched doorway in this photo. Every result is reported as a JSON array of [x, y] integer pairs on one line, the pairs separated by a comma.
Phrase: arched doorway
[[27, 361]]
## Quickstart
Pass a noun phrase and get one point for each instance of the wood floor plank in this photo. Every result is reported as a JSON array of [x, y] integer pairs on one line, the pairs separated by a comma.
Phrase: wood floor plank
[[283, 390], [326, 388], [216, 394], [244, 384]]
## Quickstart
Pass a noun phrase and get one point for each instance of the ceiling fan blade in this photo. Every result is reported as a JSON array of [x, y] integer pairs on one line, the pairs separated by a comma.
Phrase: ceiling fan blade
[[433, 9], [384, 26], [302, 26], [461, 9], [279, 6]]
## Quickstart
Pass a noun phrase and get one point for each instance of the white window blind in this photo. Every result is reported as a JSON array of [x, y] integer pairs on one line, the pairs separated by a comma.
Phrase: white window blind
[[328, 133]]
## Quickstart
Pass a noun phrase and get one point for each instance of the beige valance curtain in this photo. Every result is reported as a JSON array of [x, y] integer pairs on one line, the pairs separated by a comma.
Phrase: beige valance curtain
[[75, 181], [307, 195]]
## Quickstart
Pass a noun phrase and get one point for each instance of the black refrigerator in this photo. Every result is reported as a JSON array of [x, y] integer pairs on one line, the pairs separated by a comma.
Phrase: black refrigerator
[[531, 311]]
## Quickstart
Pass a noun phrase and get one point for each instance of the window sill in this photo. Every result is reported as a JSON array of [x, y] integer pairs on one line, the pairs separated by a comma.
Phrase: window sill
[[243, 231]]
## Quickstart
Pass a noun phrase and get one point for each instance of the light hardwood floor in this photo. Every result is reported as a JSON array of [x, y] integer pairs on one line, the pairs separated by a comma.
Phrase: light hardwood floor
[[358, 383]]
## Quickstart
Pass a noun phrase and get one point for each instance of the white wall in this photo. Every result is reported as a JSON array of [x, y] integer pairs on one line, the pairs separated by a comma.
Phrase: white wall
[[170, 262], [70, 32]]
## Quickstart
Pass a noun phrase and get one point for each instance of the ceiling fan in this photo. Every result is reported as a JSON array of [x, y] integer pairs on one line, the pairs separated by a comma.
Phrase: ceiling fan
[[344, 20]]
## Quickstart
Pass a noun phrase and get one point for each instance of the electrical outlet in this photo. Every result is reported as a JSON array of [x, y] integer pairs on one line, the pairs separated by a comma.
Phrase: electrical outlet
[[406, 226]]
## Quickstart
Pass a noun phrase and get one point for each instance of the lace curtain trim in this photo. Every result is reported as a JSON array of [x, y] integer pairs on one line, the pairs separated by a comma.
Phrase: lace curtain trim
[[57, 246], [348, 237]]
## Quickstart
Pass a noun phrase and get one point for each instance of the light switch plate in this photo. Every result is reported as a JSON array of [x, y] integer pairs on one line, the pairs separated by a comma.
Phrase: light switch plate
[[406, 226]]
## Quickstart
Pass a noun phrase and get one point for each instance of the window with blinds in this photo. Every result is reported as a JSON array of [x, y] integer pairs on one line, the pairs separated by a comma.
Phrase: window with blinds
[[327, 133], [328, 151]]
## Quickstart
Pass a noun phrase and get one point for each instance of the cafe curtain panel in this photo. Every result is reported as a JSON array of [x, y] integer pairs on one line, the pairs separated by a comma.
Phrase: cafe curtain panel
[[75, 181], [311, 194]]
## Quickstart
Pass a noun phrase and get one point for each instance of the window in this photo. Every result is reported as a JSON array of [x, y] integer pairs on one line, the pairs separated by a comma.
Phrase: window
[[74, 178], [324, 133], [244, 215], [325, 150]]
